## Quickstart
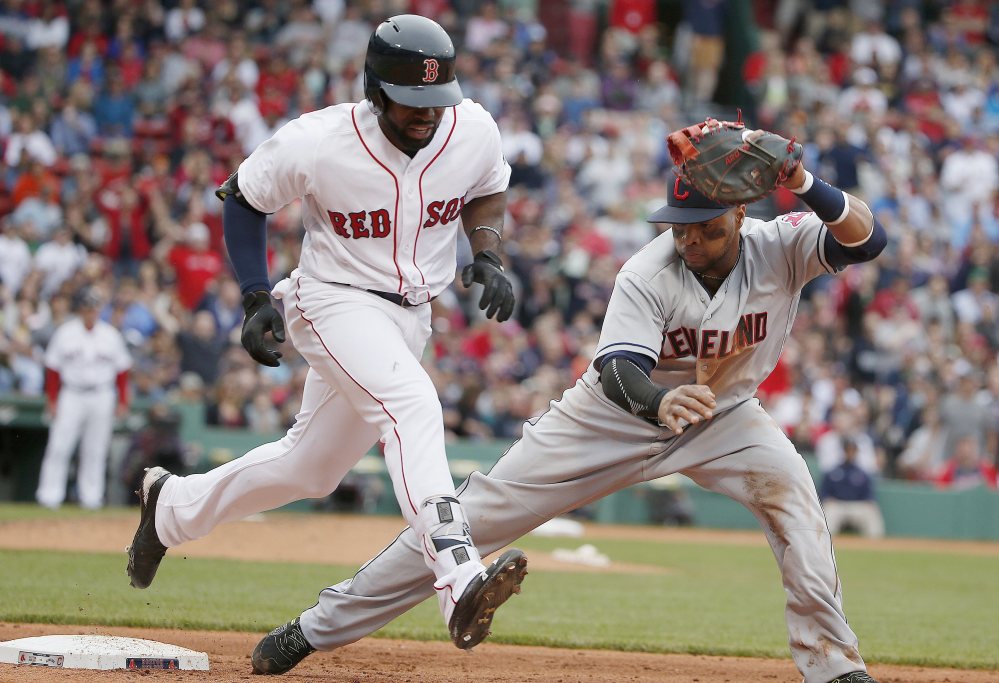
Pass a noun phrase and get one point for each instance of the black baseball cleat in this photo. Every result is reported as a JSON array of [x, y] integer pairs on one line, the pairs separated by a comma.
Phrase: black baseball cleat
[[477, 605], [146, 551], [854, 677], [281, 649]]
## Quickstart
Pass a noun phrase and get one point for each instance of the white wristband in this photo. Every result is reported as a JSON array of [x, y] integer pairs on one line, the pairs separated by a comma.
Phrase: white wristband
[[805, 186], [846, 211]]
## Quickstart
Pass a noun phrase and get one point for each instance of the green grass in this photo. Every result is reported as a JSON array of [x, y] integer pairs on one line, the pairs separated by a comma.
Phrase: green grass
[[918, 608]]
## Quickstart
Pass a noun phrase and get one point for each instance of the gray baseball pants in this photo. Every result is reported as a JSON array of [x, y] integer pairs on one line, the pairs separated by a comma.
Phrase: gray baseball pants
[[585, 448]]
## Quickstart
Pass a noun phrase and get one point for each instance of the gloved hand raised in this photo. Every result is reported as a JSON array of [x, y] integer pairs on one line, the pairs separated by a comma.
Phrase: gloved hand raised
[[260, 318], [497, 294]]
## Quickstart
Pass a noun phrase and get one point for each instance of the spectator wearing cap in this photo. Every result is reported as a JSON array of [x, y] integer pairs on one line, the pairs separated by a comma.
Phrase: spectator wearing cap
[[847, 495], [86, 368], [194, 264]]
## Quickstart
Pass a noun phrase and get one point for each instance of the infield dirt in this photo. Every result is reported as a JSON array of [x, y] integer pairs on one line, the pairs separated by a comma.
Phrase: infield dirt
[[346, 540]]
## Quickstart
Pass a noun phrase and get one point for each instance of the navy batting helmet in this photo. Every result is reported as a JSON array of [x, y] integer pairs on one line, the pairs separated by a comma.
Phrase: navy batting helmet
[[410, 60]]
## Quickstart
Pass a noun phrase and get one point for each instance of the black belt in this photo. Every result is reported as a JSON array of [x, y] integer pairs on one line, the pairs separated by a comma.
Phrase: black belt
[[86, 388], [392, 297]]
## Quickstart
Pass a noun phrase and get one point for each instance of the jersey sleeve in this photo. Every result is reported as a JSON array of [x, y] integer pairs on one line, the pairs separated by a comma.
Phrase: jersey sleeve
[[122, 358], [635, 319], [495, 174], [799, 237], [54, 350], [280, 169]]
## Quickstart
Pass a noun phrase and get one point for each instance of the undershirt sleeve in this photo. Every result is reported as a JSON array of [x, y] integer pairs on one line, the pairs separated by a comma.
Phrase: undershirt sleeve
[[628, 385]]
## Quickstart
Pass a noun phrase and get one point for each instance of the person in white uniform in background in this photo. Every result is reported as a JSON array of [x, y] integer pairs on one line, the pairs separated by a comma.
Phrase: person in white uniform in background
[[697, 319], [385, 186], [86, 383]]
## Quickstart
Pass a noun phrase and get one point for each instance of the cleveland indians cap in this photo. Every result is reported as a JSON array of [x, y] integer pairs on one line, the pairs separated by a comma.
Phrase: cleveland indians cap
[[684, 204]]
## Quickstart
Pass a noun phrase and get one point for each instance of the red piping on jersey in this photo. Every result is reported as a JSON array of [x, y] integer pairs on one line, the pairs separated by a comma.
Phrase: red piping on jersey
[[419, 229], [395, 214], [395, 423]]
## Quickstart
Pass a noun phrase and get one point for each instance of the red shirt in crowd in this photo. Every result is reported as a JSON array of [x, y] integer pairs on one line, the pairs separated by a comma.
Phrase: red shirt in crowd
[[195, 269]]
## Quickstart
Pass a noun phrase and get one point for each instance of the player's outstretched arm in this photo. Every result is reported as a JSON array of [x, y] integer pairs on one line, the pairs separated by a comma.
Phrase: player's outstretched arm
[[848, 218], [483, 221]]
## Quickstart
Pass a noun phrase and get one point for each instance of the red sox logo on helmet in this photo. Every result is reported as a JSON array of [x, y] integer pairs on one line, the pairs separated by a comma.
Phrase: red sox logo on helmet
[[430, 67]]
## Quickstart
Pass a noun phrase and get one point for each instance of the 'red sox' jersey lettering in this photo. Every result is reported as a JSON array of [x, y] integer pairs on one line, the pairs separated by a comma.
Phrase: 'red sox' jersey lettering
[[359, 224], [444, 211]]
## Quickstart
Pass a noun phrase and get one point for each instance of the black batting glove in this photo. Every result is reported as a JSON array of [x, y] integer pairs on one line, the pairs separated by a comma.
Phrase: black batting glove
[[261, 317], [497, 294]]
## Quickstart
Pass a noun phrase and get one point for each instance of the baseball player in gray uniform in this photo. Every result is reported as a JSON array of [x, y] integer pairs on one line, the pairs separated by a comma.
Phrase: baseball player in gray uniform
[[696, 321], [387, 185]]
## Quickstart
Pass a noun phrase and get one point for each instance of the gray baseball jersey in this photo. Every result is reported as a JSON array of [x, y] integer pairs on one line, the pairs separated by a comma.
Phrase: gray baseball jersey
[[586, 447], [731, 341]]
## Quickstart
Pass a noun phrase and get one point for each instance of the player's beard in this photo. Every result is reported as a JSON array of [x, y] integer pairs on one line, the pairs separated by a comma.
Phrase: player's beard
[[406, 142]]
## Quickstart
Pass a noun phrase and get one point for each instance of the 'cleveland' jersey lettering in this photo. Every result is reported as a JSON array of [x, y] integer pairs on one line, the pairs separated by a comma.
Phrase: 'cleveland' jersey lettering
[[708, 343], [729, 341]]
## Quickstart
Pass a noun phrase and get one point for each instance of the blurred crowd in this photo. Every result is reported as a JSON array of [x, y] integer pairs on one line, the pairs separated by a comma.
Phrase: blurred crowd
[[118, 119]]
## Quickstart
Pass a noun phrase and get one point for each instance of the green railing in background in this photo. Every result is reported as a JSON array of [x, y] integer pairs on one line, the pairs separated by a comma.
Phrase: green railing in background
[[910, 510]]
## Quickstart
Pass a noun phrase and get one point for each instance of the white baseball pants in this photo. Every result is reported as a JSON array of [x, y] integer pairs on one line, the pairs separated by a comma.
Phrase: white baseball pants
[[585, 448], [365, 384], [86, 417]]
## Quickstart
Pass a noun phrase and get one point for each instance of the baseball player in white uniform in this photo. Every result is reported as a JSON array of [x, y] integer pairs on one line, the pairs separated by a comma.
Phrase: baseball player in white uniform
[[696, 321], [385, 186], [86, 379]]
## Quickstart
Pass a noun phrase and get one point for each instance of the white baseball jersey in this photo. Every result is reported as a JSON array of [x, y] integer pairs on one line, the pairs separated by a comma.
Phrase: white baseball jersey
[[374, 217], [730, 341], [88, 362], [87, 359]]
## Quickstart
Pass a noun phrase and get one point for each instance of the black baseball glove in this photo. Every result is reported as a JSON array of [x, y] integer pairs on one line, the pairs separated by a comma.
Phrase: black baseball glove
[[497, 294], [731, 164], [260, 318]]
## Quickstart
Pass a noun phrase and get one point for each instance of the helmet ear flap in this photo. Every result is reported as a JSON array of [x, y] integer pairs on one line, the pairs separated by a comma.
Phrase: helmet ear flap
[[374, 93], [377, 102]]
